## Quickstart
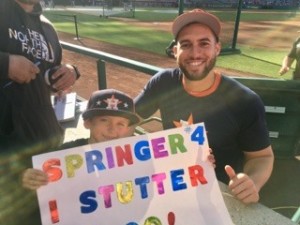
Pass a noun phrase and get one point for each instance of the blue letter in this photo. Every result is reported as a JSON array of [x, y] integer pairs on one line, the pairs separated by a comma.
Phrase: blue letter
[[142, 181], [87, 198], [94, 158], [177, 180], [142, 151]]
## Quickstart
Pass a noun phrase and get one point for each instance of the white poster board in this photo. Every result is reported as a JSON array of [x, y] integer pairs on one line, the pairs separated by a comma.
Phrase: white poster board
[[161, 178], [64, 107]]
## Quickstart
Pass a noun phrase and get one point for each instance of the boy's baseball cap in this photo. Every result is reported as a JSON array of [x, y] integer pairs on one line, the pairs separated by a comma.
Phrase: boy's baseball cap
[[196, 16], [111, 102]]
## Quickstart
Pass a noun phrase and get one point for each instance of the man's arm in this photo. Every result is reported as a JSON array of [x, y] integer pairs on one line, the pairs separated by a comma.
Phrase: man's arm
[[286, 65], [258, 167]]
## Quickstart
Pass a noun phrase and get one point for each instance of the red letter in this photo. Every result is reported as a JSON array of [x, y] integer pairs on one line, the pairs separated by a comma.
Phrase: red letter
[[124, 154], [54, 173], [196, 173], [53, 211]]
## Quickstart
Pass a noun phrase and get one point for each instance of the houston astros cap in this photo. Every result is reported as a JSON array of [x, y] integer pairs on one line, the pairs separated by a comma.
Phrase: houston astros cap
[[111, 102], [196, 16]]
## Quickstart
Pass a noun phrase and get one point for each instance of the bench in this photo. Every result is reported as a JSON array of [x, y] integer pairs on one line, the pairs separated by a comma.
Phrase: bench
[[282, 104]]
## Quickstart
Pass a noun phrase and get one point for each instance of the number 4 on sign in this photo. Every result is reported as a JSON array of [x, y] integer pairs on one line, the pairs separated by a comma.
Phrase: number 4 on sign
[[198, 135]]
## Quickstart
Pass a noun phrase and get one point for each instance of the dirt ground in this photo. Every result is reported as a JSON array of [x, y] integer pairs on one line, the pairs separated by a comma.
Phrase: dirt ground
[[118, 77], [277, 35]]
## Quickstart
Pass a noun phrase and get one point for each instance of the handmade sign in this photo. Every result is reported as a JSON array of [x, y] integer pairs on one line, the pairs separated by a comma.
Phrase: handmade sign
[[160, 178]]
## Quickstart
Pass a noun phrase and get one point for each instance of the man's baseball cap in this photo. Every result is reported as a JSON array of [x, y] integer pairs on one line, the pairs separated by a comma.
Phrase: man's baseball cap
[[111, 102], [196, 16]]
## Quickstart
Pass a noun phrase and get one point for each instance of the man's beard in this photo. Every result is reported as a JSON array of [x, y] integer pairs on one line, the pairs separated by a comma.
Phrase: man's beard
[[197, 76]]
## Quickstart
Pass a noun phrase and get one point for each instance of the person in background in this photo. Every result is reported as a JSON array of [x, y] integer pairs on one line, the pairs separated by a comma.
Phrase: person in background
[[293, 55], [29, 46], [195, 92]]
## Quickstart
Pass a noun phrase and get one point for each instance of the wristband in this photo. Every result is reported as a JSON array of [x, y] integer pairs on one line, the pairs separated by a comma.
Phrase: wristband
[[76, 71]]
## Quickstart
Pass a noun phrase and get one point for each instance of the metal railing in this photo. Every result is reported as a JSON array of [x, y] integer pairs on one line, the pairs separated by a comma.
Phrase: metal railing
[[276, 95], [106, 57]]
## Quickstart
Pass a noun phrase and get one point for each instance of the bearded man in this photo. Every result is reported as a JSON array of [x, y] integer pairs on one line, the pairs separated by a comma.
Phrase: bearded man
[[195, 92]]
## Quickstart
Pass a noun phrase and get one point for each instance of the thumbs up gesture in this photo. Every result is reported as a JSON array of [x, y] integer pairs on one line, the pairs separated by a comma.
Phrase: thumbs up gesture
[[242, 186]]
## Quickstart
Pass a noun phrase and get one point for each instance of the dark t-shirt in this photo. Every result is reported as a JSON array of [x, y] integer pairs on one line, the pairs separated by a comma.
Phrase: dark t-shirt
[[73, 144], [234, 115]]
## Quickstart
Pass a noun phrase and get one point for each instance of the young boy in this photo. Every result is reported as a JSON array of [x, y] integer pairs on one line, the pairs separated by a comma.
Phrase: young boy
[[110, 114]]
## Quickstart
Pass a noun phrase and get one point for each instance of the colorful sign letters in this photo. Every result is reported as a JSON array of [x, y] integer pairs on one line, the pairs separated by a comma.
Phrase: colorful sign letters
[[160, 178]]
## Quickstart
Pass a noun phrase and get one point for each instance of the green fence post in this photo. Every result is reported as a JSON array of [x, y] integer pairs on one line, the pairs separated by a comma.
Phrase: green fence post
[[76, 27], [101, 74], [236, 25], [180, 7]]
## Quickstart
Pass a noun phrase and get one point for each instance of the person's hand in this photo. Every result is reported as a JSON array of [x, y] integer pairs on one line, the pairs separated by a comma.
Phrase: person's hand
[[21, 69], [284, 70], [242, 186], [33, 179], [60, 95], [211, 158], [67, 76]]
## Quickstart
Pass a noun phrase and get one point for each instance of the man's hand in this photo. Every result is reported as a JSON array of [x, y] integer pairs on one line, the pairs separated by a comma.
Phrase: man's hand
[[21, 69], [242, 186], [67, 78], [286, 64], [283, 70]]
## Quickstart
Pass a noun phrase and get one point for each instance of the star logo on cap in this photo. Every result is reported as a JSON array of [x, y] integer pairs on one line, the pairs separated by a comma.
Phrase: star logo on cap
[[112, 103]]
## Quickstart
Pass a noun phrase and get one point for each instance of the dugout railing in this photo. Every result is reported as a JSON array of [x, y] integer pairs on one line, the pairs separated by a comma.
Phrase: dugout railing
[[281, 98]]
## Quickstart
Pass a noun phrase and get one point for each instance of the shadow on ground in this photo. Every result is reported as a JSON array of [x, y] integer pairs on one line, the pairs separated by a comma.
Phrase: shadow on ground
[[282, 192]]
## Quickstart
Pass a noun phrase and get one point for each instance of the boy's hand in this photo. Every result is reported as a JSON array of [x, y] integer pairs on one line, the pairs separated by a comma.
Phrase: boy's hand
[[211, 158], [32, 179]]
